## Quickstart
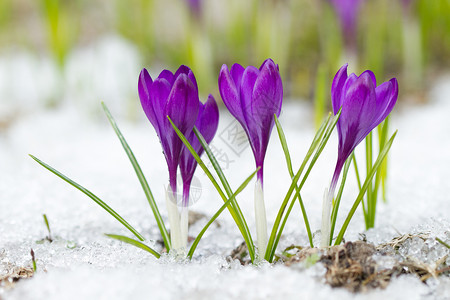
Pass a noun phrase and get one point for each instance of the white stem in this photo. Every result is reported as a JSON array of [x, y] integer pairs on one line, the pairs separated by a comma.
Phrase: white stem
[[326, 218], [261, 222], [184, 226], [174, 220]]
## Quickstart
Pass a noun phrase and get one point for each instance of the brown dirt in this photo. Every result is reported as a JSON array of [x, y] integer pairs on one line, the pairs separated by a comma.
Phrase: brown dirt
[[352, 265]]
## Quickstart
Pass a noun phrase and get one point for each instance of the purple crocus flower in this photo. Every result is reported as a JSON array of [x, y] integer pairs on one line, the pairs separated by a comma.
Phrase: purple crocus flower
[[253, 96], [207, 123], [364, 106], [176, 96], [347, 11]]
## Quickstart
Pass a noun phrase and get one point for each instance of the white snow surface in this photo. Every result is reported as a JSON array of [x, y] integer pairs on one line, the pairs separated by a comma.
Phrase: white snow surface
[[82, 263]]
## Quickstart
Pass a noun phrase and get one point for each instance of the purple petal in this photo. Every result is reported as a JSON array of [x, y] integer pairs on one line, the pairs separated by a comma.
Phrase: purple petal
[[236, 72], [182, 104], [208, 119], [246, 92], [266, 101], [372, 76], [182, 108], [144, 88], [387, 95], [167, 75], [357, 114], [336, 88], [159, 92], [186, 70], [207, 123], [229, 92]]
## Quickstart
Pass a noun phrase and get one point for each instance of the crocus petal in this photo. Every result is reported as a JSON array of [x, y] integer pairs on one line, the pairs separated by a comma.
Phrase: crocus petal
[[186, 70], [182, 103], [229, 92], [207, 123], [336, 88], [266, 101], [167, 75], [356, 114], [208, 119], [246, 92], [387, 95], [159, 92], [236, 72], [144, 86]]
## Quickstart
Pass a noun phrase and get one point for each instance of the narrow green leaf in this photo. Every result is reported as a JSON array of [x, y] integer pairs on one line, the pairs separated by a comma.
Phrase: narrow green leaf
[[443, 243], [384, 166], [47, 224], [92, 196], [142, 179], [322, 136], [219, 211], [135, 243], [284, 145], [227, 187], [287, 155], [367, 182], [232, 210], [337, 200]]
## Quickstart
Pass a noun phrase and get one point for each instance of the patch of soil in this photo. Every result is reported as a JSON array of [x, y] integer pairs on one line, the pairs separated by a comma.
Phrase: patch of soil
[[240, 253], [13, 275], [354, 265]]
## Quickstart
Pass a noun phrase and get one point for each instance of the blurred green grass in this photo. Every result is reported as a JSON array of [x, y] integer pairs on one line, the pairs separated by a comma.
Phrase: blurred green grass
[[302, 36]]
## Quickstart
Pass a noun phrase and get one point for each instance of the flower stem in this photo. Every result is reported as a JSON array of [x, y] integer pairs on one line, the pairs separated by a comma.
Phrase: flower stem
[[260, 217], [326, 207], [174, 219], [184, 221], [184, 226]]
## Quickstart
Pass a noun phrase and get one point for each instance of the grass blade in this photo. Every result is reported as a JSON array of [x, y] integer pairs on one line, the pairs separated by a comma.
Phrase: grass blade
[[284, 145], [135, 243], [142, 179], [291, 174], [337, 200], [367, 182], [92, 196], [219, 211], [227, 187], [322, 136], [232, 209]]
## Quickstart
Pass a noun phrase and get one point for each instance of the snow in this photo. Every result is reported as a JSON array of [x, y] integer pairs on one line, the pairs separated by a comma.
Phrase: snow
[[77, 140]]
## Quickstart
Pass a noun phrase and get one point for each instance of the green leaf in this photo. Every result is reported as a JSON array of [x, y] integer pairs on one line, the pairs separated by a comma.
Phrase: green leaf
[[219, 211], [92, 196], [47, 224], [337, 200], [223, 179], [291, 174], [367, 182], [240, 221], [135, 243], [320, 140], [284, 145], [142, 179]]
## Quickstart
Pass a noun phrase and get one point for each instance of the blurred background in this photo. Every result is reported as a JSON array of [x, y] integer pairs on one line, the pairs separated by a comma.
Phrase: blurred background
[[54, 52]]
